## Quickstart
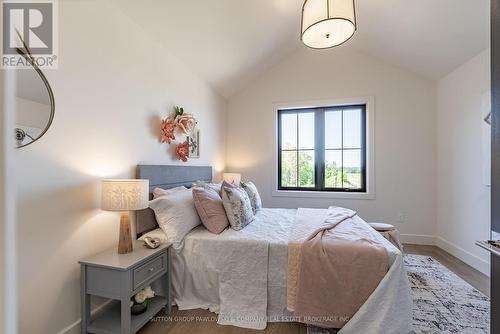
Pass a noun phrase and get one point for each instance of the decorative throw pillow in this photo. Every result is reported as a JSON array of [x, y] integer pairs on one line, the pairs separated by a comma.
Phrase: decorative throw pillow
[[208, 185], [176, 215], [158, 192], [210, 209], [237, 205], [229, 185], [253, 194]]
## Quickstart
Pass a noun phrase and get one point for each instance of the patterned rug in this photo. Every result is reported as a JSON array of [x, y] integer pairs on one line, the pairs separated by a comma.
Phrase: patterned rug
[[442, 301]]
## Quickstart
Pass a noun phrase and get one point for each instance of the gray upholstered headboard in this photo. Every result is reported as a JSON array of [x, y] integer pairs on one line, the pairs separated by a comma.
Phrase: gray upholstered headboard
[[166, 177]]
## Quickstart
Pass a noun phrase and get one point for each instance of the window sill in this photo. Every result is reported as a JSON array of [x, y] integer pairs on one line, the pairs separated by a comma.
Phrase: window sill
[[323, 194]]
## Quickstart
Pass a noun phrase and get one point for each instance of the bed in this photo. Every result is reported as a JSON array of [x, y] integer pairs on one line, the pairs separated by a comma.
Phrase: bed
[[242, 275]]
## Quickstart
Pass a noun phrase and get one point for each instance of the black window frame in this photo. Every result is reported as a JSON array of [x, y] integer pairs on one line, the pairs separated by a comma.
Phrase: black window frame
[[319, 148]]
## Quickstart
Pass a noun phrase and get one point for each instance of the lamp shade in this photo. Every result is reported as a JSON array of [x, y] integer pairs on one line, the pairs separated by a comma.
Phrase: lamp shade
[[327, 23], [233, 178], [125, 195]]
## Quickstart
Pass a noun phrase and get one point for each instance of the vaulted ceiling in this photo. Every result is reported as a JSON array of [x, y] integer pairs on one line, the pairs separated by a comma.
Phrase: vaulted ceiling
[[228, 43]]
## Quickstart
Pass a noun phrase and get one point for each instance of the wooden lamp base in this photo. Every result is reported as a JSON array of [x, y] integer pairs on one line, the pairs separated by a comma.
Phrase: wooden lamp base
[[125, 241]]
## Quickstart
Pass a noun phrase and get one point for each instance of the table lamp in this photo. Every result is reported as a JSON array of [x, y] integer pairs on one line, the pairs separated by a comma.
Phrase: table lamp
[[125, 196], [233, 178]]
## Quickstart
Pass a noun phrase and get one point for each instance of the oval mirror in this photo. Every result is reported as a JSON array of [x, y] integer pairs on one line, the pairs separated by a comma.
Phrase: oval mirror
[[35, 105]]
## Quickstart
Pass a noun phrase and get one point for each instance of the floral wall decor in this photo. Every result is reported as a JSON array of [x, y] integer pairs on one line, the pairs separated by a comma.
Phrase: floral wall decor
[[182, 151], [180, 126]]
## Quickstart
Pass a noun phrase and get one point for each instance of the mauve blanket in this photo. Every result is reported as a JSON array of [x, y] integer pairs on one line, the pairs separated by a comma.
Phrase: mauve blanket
[[336, 268]]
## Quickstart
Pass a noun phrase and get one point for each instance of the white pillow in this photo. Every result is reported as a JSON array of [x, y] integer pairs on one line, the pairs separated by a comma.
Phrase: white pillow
[[208, 185], [158, 192], [176, 214], [157, 233]]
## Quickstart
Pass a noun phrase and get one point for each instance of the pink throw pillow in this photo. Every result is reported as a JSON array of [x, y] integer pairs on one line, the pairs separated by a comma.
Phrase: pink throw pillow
[[210, 209]]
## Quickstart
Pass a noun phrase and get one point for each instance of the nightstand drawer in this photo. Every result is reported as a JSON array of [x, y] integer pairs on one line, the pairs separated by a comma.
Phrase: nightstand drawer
[[149, 269]]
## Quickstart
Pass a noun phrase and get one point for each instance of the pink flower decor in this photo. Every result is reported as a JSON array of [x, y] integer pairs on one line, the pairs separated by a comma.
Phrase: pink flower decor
[[182, 151], [186, 123], [168, 130], [182, 123]]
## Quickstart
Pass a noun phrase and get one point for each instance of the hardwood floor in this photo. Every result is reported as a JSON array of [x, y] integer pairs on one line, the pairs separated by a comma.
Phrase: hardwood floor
[[203, 321]]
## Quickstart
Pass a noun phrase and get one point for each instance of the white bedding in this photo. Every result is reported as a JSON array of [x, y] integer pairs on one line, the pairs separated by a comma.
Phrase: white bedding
[[239, 274], [242, 276]]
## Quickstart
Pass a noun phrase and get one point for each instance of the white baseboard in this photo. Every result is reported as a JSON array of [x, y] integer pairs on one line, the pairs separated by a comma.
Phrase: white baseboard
[[466, 256], [418, 239], [74, 328], [472, 260]]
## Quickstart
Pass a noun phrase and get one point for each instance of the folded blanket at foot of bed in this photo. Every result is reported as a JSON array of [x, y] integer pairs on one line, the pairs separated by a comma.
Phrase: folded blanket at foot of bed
[[333, 268]]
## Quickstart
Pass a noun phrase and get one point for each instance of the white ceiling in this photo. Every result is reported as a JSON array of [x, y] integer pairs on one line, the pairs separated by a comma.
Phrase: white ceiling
[[230, 42]]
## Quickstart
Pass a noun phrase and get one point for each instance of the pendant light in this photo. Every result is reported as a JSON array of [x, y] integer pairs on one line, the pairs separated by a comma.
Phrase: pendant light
[[327, 23]]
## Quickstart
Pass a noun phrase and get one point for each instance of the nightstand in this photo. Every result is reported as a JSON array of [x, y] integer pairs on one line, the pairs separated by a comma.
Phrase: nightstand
[[118, 277]]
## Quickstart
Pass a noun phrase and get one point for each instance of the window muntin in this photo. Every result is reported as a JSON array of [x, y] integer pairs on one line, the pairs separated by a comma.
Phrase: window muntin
[[322, 149]]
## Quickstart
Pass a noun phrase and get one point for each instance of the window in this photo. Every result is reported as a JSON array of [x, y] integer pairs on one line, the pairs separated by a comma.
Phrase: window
[[322, 149]]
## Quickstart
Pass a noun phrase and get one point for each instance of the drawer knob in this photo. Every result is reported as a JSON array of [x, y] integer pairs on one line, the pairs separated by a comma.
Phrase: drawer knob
[[151, 270]]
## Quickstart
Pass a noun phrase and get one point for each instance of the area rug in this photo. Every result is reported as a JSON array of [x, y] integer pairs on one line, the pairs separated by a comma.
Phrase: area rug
[[442, 301]]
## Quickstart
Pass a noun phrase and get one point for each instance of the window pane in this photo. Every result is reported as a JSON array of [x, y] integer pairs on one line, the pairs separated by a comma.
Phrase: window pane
[[343, 147], [333, 169], [288, 131], [333, 129], [306, 169], [352, 169], [289, 169], [306, 131], [352, 128]]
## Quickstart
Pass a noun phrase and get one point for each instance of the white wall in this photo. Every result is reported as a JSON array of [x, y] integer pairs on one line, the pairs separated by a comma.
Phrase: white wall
[[8, 297], [112, 85], [463, 214], [405, 132]]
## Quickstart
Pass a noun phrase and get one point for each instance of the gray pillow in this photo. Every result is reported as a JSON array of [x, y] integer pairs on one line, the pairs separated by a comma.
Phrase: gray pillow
[[253, 194], [208, 185], [237, 206]]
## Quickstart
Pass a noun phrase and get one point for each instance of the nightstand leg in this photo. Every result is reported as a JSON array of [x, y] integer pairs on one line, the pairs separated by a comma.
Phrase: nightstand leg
[[125, 315], [84, 301], [168, 307]]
